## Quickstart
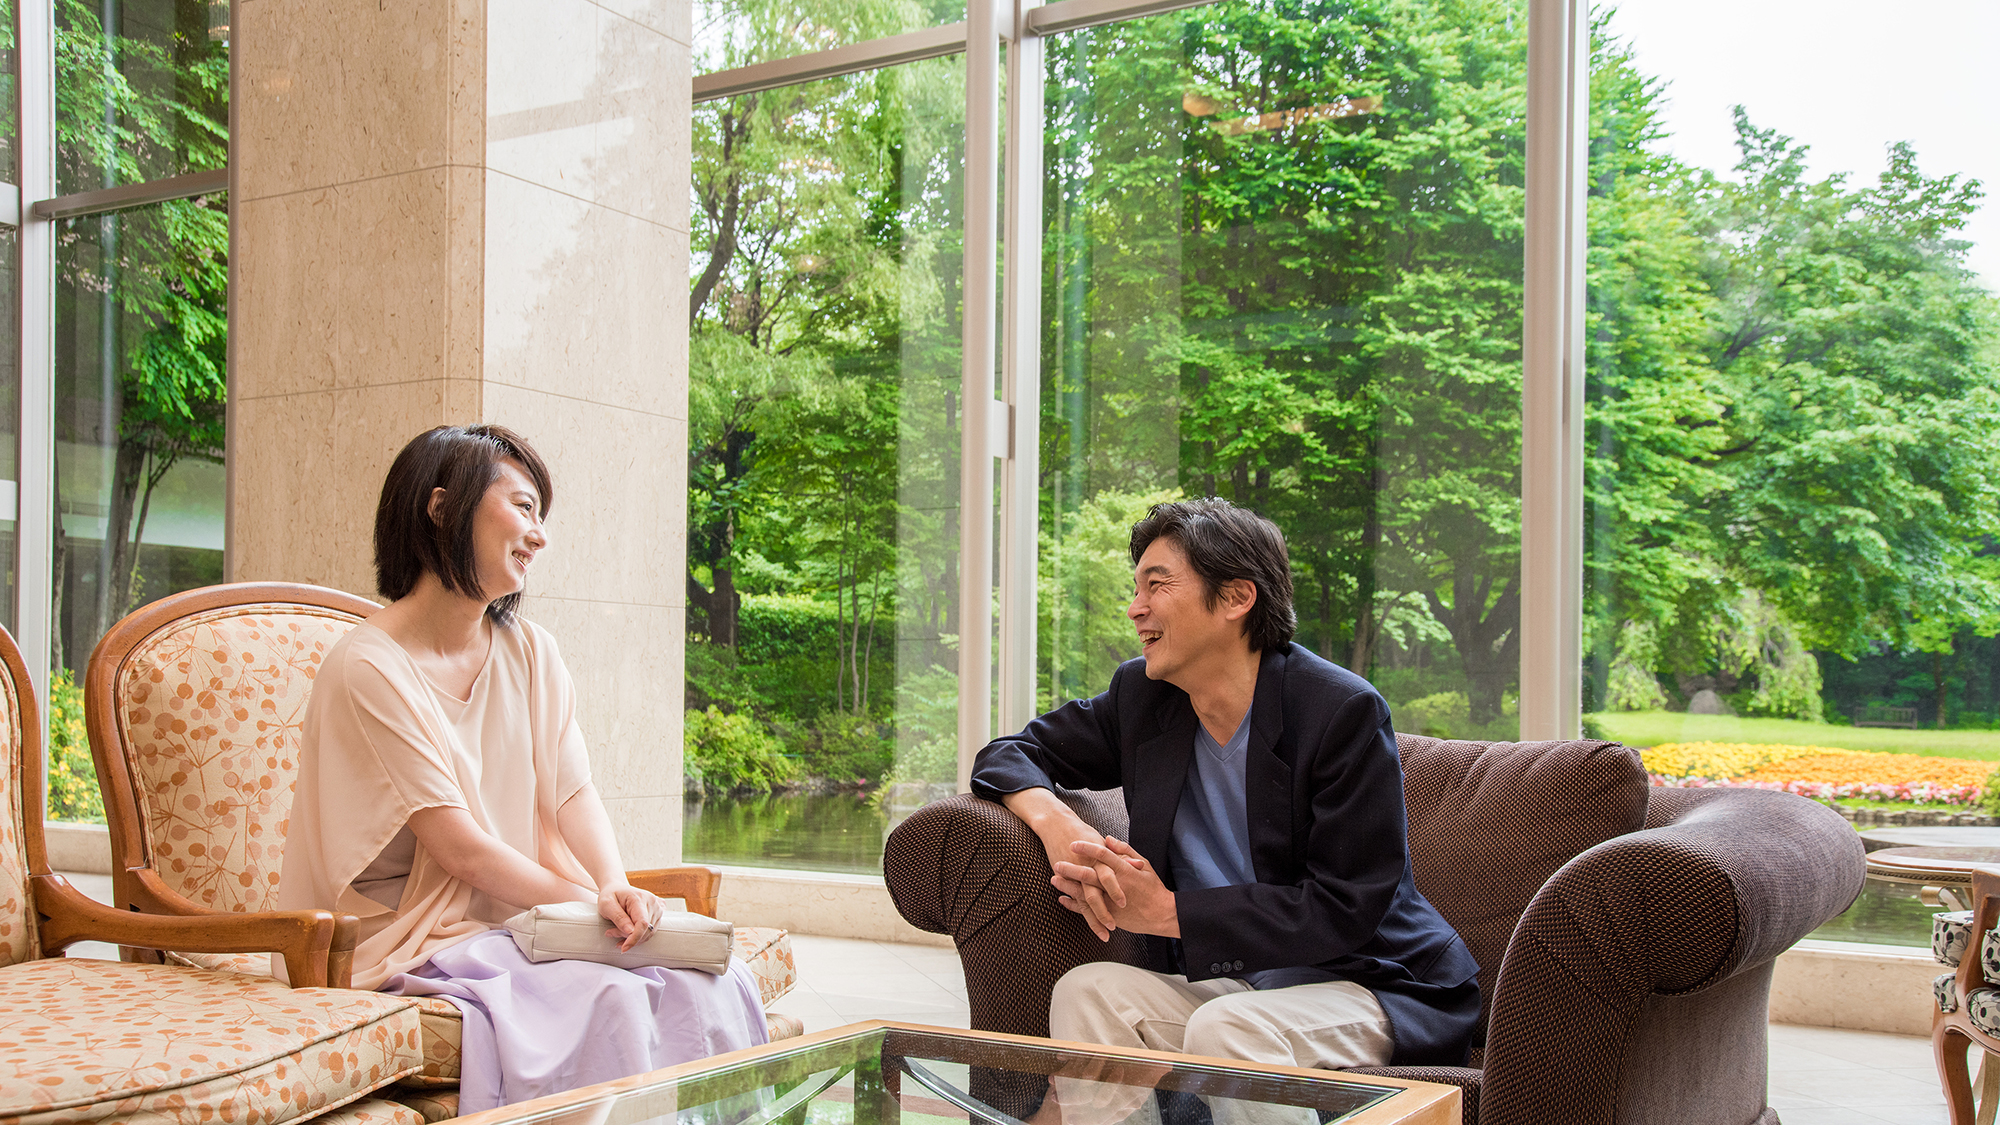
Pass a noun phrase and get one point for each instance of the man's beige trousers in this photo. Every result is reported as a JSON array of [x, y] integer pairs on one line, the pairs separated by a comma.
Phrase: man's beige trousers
[[1324, 1026], [1309, 1025]]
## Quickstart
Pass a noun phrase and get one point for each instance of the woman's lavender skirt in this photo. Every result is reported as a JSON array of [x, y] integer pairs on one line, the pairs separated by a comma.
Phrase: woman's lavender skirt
[[536, 1028]]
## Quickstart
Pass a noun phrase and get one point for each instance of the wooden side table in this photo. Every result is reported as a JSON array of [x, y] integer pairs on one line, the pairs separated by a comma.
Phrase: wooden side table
[[1943, 873]]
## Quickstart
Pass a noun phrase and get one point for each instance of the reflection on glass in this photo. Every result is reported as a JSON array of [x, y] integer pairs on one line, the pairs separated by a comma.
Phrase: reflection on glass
[[823, 452], [1884, 914], [142, 91], [1793, 387], [879, 1077], [9, 106], [733, 33], [1283, 266], [141, 304], [10, 413]]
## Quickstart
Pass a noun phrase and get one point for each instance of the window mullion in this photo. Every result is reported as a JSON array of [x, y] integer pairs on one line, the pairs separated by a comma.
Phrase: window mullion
[[35, 506], [1552, 375]]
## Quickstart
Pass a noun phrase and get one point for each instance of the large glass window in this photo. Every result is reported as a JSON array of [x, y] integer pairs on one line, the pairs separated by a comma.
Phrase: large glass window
[[1283, 266], [733, 33], [1280, 259], [142, 90], [141, 328], [823, 465], [1794, 383], [10, 380]]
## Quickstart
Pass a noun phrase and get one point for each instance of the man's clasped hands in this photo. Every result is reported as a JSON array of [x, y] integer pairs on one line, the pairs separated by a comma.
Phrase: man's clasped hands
[[1114, 888]]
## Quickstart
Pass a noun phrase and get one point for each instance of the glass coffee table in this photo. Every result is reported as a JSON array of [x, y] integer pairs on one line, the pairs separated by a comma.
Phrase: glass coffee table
[[885, 1073]]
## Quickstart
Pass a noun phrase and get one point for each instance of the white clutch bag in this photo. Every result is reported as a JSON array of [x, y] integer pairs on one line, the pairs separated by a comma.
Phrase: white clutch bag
[[574, 931]]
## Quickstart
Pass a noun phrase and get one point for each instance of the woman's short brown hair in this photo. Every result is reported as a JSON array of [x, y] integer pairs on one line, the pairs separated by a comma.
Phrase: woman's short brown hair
[[464, 461]]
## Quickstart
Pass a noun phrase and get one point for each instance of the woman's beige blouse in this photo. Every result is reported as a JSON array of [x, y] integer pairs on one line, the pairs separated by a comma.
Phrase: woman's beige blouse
[[381, 741]]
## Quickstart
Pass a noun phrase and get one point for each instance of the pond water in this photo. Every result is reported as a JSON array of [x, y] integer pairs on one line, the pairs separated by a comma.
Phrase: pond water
[[840, 832], [1885, 914]]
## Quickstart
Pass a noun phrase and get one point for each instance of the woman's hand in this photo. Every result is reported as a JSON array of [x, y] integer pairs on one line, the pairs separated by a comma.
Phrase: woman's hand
[[632, 913]]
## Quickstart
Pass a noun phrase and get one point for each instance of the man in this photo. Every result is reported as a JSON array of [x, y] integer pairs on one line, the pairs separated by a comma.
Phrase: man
[[1266, 804]]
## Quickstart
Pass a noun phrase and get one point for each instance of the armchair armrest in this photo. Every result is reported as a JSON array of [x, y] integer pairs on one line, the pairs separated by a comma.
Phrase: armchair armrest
[[142, 891], [697, 886], [1670, 927], [308, 940], [968, 867]]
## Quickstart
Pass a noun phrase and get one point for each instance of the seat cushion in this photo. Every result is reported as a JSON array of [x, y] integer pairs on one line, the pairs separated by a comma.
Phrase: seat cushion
[[372, 1111], [1945, 991], [768, 952], [159, 1044], [444, 1042], [430, 1105], [255, 964], [1983, 1009], [1950, 931]]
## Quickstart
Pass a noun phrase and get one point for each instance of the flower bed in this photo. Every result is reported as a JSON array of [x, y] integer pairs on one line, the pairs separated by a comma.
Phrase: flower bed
[[1820, 772]]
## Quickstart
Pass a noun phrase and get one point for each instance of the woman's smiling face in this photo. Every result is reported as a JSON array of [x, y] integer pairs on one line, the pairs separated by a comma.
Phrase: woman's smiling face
[[507, 532]]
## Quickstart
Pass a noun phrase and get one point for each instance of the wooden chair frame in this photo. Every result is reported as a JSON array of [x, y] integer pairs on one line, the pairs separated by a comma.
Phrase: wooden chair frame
[[1952, 1032], [138, 889], [65, 915]]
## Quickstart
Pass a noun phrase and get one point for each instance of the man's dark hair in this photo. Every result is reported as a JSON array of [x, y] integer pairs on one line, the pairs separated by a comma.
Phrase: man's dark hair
[[464, 461], [1224, 543]]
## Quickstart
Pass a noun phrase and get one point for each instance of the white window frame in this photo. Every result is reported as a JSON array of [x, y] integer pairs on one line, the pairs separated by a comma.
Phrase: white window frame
[[1006, 343], [37, 210]]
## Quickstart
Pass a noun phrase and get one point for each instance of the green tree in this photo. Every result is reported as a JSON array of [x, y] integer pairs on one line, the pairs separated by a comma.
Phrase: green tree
[[1791, 386], [1853, 348], [823, 459], [1285, 268], [131, 107]]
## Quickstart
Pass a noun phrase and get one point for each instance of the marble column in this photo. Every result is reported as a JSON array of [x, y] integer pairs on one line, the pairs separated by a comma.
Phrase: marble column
[[448, 211]]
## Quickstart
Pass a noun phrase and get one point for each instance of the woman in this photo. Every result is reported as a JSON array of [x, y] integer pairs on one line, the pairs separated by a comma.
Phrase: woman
[[443, 787]]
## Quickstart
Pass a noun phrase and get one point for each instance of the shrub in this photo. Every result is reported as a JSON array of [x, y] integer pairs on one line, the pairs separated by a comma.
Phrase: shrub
[[1989, 797], [727, 751], [73, 792], [843, 747], [1445, 714]]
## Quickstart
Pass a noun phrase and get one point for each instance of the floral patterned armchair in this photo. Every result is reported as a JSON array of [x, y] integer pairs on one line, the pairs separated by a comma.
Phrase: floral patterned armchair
[[91, 1040], [1968, 999], [195, 705]]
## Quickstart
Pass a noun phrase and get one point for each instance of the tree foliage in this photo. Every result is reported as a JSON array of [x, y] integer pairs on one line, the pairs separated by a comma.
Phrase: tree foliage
[[825, 376], [1793, 384], [140, 100], [1282, 252]]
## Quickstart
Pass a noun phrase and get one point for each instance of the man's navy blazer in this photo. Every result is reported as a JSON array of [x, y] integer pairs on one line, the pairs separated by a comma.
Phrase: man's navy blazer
[[1324, 792]]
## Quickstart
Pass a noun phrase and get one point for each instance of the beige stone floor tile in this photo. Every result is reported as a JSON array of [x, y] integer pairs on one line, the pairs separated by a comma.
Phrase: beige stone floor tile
[[1830, 1115]]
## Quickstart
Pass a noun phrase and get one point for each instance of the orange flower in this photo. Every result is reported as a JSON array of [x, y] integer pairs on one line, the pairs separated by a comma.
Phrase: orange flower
[[1859, 767]]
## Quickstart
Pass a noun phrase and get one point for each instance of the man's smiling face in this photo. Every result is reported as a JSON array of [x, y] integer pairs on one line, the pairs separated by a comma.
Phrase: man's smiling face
[[1179, 624]]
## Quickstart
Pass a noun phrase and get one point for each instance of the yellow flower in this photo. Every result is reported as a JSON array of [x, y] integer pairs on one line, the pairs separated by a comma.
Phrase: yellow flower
[[1720, 760]]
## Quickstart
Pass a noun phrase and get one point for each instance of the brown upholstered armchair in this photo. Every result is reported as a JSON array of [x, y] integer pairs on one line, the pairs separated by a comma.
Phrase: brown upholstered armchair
[[1625, 935]]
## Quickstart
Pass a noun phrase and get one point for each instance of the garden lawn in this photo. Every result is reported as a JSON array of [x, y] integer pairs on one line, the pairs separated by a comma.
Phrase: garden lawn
[[1650, 728]]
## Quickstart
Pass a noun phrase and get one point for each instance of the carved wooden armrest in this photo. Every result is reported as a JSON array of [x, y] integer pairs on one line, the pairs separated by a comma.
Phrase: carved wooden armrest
[[312, 942], [698, 886]]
